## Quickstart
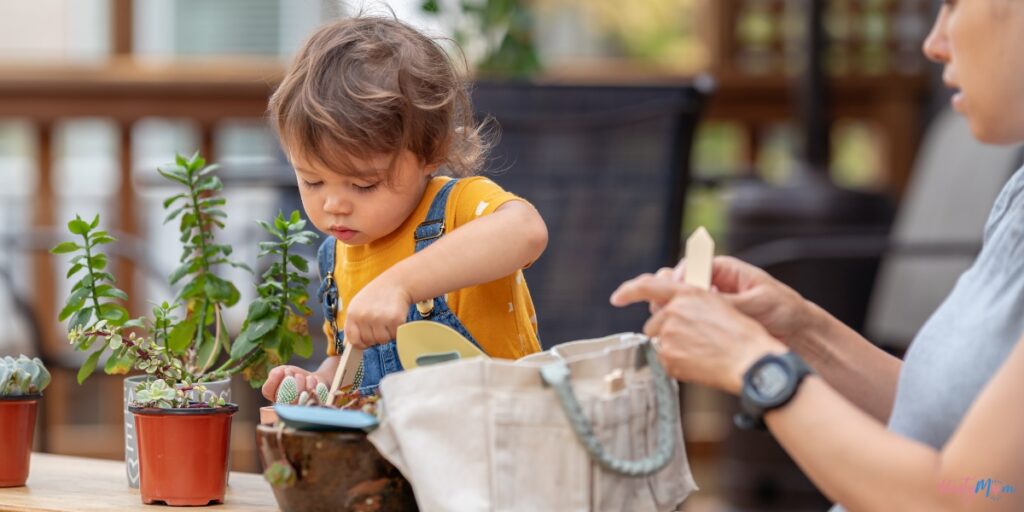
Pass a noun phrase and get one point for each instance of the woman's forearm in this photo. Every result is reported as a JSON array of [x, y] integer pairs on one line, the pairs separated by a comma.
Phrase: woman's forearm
[[863, 373], [852, 458]]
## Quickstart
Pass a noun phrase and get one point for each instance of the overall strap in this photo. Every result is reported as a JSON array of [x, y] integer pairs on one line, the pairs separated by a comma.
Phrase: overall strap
[[433, 226], [328, 291]]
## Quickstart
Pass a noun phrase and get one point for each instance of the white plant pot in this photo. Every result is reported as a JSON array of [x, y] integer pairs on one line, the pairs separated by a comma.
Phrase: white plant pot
[[131, 451]]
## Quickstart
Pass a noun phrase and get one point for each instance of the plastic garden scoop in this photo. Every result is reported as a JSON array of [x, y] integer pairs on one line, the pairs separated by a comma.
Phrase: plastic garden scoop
[[322, 419], [423, 343]]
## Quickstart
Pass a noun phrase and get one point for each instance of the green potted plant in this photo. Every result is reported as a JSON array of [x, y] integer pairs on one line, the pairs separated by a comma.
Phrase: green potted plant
[[186, 341], [22, 382]]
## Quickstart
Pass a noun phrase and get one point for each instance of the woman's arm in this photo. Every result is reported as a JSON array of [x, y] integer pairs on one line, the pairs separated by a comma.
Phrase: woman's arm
[[863, 373], [857, 462]]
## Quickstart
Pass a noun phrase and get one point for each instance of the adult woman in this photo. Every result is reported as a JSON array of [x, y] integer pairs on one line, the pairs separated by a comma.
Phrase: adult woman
[[950, 422]]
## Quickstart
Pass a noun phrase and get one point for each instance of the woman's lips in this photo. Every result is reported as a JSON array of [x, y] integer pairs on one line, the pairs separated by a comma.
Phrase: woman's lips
[[343, 234]]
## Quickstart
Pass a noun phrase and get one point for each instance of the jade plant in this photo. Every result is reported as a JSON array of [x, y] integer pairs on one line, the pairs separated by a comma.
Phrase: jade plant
[[186, 341], [156, 393], [22, 376]]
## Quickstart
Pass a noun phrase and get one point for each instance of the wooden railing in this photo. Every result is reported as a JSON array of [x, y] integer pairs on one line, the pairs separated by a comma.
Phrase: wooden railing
[[125, 91]]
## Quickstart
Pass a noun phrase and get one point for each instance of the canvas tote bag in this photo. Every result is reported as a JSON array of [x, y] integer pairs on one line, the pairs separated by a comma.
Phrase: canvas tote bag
[[588, 425]]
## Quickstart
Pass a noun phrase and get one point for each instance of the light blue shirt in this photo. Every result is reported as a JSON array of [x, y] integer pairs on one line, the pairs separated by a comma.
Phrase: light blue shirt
[[967, 339]]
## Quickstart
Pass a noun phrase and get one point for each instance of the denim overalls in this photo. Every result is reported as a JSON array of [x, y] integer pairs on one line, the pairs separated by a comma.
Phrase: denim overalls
[[380, 360]]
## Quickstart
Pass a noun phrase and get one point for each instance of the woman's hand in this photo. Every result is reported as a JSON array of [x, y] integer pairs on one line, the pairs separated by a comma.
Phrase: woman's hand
[[781, 310], [372, 317], [701, 337]]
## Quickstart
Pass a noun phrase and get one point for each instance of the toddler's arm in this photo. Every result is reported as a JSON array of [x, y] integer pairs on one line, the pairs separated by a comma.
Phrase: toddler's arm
[[482, 250]]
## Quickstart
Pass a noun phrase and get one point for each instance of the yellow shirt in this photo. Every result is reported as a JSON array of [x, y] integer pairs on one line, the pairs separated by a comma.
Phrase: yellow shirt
[[499, 314]]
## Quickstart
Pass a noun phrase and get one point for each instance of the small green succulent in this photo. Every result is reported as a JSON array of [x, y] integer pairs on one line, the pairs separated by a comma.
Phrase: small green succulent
[[22, 376], [288, 393], [157, 393]]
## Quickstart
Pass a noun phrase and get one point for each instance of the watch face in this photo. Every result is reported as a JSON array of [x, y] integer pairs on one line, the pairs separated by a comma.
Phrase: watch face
[[770, 380]]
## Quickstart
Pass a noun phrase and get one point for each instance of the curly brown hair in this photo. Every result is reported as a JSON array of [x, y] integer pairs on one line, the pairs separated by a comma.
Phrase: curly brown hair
[[370, 86]]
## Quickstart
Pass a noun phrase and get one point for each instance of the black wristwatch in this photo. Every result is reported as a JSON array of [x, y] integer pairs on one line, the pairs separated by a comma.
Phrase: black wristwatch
[[768, 384]]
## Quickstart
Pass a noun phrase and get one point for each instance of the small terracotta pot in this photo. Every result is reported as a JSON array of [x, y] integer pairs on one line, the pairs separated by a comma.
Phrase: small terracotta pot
[[17, 426], [334, 472], [268, 416], [183, 454]]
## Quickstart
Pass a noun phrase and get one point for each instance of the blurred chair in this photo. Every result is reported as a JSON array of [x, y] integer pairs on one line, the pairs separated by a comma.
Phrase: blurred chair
[[608, 168]]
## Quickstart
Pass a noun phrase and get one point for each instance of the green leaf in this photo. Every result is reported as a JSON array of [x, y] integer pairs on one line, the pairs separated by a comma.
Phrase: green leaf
[[116, 314], [263, 325], [193, 288], [95, 222], [210, 183], [181, 335], [183, 270], [258, 308], [118, 363], [242, 345], [180, 160], [81, 319], [209, 350], [90, 366], [174, 174], [65, 247], [220, 290], [170, 200], [295, 217], [98, 262], [174, 213], [73, 270], [103, 239], [299, 262], [280, 224], [69, 309], [78, 226], [111, 292], [303, 345]]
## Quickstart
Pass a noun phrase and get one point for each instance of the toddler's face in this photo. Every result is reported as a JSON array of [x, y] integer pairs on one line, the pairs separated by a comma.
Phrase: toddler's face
[[360, 208]]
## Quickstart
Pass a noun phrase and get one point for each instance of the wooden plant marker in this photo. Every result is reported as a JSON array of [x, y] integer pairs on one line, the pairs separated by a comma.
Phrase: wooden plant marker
[[700, 250], [345, 375]]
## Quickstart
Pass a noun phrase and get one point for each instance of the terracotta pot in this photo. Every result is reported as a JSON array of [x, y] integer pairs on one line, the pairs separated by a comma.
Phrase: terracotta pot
[[334, 471], [268, 416], [131, 446], [17, 425], [183, 454]]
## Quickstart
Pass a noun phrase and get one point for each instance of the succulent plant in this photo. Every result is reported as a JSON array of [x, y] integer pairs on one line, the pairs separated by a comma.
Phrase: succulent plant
[[157, 393], [22, 376], [288, 393]]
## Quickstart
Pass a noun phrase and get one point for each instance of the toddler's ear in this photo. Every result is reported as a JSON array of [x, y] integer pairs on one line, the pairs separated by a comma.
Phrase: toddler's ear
[[430, 169]]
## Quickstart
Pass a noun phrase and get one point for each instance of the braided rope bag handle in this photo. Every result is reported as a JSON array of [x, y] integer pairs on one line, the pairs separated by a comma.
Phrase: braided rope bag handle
[[556, 375]]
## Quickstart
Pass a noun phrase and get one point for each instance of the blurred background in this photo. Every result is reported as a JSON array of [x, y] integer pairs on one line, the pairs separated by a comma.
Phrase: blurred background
[[810, 137]]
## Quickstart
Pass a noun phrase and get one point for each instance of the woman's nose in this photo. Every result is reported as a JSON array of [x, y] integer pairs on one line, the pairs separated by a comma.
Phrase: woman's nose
[[936, 45]]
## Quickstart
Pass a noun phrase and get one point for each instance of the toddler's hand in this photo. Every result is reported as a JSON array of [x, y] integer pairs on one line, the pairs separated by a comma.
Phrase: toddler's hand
[[305, 380], [372, 317]]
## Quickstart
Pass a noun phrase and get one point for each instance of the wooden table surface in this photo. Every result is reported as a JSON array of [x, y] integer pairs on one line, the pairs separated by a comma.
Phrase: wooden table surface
[[57, 483]]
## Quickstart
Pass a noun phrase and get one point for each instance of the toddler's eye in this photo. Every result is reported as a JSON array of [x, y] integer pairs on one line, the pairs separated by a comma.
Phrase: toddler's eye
[[309, 184], [364, 188]]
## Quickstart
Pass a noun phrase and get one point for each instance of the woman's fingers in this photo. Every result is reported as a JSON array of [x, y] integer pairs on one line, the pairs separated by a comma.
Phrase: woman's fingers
[[646, 288]]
